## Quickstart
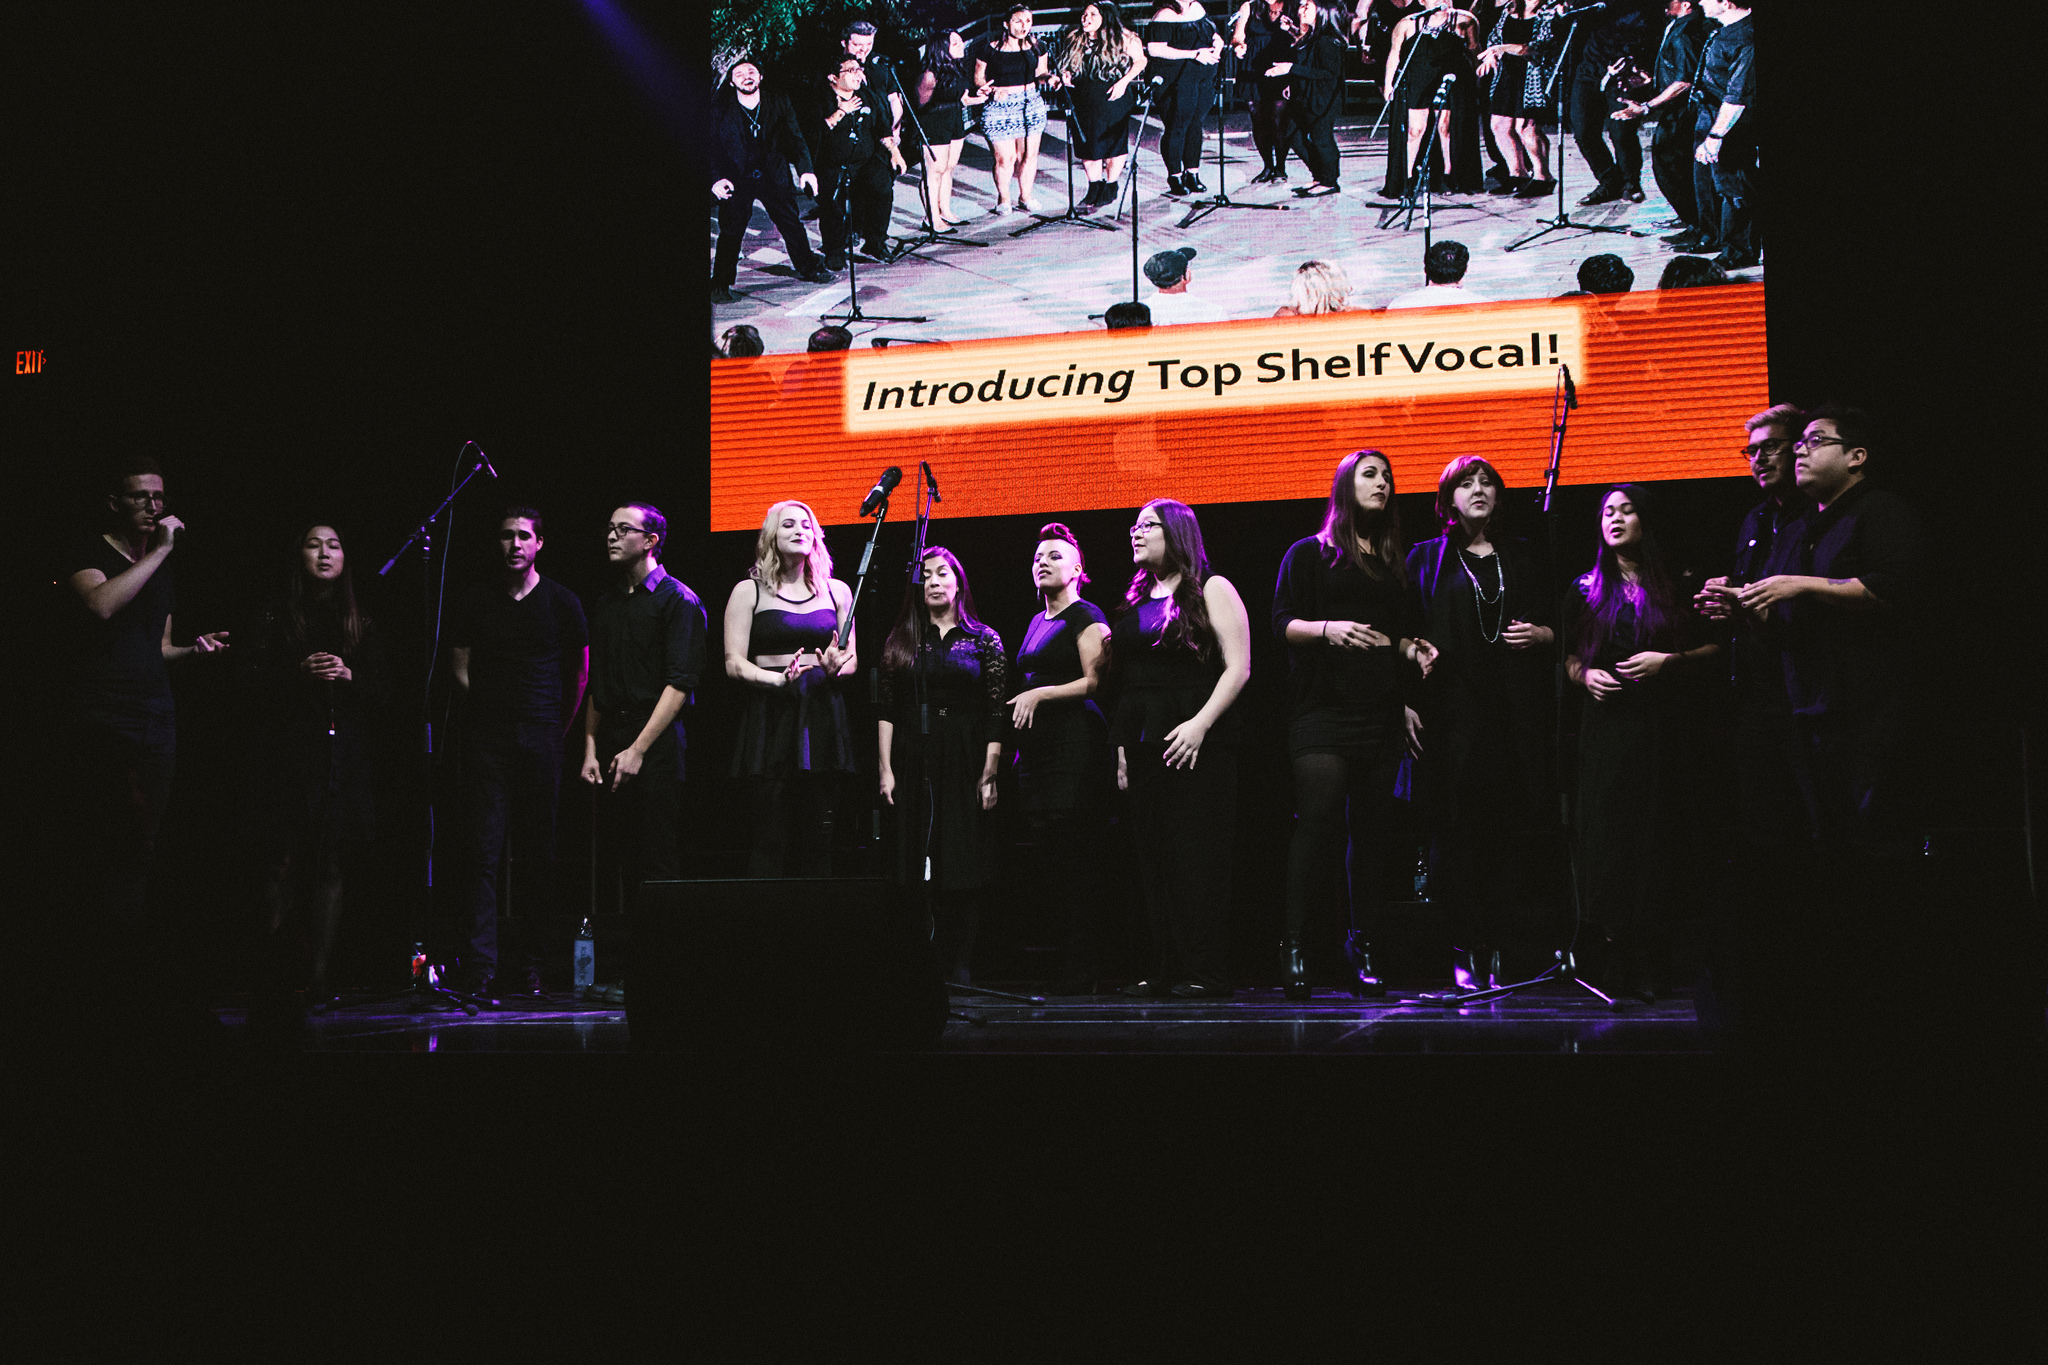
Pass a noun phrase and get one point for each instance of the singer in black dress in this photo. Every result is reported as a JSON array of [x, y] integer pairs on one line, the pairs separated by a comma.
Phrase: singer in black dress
[[781, 639], [1182, 652], [1352, 627], [314, 675], [1317, 80], [944, 712], [1101, 62], [1427, 46], [1061, 744], [1516, 65], [940, 103], [1488, 725], [1186, 52], [1636, 651]]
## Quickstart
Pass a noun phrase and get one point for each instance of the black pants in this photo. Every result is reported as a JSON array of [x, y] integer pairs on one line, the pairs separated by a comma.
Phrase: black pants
[[778, 196], [1734, 176], [1064, 873], [1339, 801], [123, 771], [1184, 820], [792, 825], [1671, 147], [1182, 106], [1593, 129], [1771, 802], [513, 783], [640, 822], [855, 201], [1272, 130], [1317, 146]]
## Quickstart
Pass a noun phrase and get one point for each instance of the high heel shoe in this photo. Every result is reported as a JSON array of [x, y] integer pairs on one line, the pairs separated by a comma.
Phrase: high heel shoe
[[1365, 983], [1294, 971]]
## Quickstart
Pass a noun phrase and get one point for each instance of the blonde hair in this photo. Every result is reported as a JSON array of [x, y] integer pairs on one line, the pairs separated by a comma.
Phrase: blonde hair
[[768, 556], [1320, 287]]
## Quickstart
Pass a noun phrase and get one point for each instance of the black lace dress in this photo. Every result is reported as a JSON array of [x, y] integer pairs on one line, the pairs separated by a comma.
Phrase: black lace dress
[[939, 820]]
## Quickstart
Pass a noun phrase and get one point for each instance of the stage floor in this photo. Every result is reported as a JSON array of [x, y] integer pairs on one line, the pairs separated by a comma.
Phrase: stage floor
[[1544, 1020], [1055, 277]]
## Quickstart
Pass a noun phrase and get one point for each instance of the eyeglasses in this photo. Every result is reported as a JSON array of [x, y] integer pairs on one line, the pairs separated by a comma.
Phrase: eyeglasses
[[148, 495], [1770, 447], [1145, 527], [1809, 442], [623, 529]]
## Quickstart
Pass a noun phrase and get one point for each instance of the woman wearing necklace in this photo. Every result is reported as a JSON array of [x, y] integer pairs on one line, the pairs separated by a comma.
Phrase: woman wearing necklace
[[781, 640], [1636, 651], [1487, 728], [1182, 651], [944, 687], [1352, 627], [1007, 70], [1062, 746]]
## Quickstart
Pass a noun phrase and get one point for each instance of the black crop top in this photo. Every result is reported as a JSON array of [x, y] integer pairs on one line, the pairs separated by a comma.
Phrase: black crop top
[[776, 631], [1009, 68], [1188, 35]]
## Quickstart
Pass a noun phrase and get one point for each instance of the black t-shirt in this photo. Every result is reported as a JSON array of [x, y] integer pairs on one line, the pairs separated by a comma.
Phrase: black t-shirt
[[117, 665], [525, 655]]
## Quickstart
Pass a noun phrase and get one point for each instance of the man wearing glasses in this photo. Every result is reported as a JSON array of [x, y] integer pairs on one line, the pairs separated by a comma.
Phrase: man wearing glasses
[[123, 727], [647, 652]]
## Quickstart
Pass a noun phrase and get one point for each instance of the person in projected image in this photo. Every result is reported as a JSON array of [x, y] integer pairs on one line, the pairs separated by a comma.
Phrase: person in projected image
[[782, 642], [945, 694], [1487, 726], [754, 141], [858, 159], [1101, 62], [1061, 761], [1639, 652], [1181, 651], [1008, 68], [1352, 625], [940, 101]]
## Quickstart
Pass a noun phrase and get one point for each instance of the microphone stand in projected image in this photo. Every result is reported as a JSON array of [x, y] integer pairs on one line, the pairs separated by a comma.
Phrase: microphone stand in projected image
[[1073, 216], [1563, 222], [1129, 190], [1421, 193], [1201, 208], [842, 195], [931, 234], [1565, 963]]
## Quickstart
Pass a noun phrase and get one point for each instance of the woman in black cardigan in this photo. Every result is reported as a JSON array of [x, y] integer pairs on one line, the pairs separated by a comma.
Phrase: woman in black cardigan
[[1317, 82], [1344, 608], [1488, 723]]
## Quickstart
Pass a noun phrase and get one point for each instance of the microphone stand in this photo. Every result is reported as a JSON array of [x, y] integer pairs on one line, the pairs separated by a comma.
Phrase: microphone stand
[[1198, 209], [1073, 216], [1564, 221], [425, 988], [931, 234], [1130, 177], [1424, 176], [842, 195]]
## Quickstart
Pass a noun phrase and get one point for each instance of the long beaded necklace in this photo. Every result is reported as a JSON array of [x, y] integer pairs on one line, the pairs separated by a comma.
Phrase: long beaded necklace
[[1482, 601]]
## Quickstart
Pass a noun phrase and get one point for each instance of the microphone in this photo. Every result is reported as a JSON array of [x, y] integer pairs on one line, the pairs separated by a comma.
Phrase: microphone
[[1571, 390], [930, 481], [1580, 11], [484, 460], [879, 494], [1443, 90]]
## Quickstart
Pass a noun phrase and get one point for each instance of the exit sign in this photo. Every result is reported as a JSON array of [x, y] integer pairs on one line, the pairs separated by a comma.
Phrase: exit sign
[[28, 362]]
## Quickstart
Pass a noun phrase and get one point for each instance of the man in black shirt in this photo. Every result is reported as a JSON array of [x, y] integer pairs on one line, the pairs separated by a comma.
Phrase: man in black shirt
[[1672, 143], [856, 153], [521, 652], [754, 141], [1607, 47], [647, 653], [1725, 160], [121, 734]]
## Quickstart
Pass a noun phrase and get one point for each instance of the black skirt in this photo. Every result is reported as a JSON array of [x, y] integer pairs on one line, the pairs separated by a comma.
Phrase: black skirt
[[791, 730], [1508, 83], [1102, 127], [1062, 761], [942, 123], [938, 803]]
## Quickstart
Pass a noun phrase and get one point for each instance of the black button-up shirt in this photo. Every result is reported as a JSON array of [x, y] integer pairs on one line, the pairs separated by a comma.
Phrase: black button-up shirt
[[1728, 68], [1845, 665], [644, 637], [1678, 54], [1768, 536]]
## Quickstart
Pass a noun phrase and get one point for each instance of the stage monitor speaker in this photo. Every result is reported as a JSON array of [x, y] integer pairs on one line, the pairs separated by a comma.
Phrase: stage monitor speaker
[[795, 964]]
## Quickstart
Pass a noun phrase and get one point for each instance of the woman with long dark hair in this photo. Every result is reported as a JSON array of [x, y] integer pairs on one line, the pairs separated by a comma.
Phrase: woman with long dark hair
[[315, 678], [945, 91], [1262, 35], [944, 697], [1101, 61], [1516, 66], [1316, 79], [1488, 730], [1182, 650], [1186, 52], [1635, 651], [1352, 626], [1007, 72], [782, 640], [1062, 746]]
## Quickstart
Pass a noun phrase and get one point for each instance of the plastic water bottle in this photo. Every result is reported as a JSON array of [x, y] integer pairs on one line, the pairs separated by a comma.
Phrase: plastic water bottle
[[1422, 877], [586, 957]]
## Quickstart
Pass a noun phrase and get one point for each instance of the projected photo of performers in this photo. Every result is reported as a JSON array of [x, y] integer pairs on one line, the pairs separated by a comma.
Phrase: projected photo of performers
[[1002, 177]]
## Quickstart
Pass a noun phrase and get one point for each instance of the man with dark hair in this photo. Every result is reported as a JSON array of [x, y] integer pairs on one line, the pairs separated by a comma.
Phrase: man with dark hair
[[1126, 314], [120, 740], [520, 650], [647, 653], [1606, 49], [1690, 272], [830, 338], [1443, 266], [858, 160], [754, 141], [1671, 144], [1606, 273]]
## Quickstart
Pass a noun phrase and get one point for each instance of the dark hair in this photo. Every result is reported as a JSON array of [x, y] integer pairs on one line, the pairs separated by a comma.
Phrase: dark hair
[[1343, 527], [858, 26], [1447, 484], [914, 620], [1054, 530], [125, 467], [1606, 273], [1187, 625], [1690, 272], [1606, 591], [1127, 314], [949, 73], [830, 338], [655, 524], [1857, 428], [1445, 262], [298, 592], [838, 64], [745, 340], [528, 513]]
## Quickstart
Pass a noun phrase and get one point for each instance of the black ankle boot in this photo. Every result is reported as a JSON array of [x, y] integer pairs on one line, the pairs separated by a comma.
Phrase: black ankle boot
[[1295, 971], [1365, 982]]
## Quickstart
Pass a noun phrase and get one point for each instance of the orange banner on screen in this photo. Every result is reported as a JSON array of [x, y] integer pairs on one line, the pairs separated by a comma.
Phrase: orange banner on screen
[[1247, 411]]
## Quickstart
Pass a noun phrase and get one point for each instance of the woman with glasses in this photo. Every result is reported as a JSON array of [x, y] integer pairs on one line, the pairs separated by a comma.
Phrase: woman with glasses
[[944, 704], [314, 676], [1182, 651], [1345, 611], [1007, 72], [1101, 61], [1636, 651], [1487, 725], [782, 640]]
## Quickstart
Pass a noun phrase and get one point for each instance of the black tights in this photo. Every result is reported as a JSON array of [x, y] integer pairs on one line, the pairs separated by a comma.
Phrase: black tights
[[956, 916], [790, 811], [1336, 797], [1186, 101], [1064, 869], [1271, 129], [301, 911]]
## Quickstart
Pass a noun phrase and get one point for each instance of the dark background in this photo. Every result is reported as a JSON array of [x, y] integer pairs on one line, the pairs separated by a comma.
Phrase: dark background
[[302, 256]]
